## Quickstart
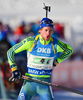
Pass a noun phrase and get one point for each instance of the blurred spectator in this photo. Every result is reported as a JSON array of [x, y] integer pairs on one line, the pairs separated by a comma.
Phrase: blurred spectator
[[27, 31], [4, 47], [77, 38], [2, 32], [8, 29], [55, 34], [20, 28], [36, 27], [10, 35], [4, 44], [59, 29]]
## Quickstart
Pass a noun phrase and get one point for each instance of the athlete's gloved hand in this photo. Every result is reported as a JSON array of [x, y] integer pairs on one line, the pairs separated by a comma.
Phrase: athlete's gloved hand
[[15, 76], [55, 62]]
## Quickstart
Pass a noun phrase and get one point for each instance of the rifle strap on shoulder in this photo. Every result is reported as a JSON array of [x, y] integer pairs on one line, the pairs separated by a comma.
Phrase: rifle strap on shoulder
[[35, 41], [52, 41]]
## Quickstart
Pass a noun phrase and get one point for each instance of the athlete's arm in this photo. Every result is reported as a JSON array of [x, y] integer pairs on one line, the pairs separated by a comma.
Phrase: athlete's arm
[[66, 51], [23, 45]]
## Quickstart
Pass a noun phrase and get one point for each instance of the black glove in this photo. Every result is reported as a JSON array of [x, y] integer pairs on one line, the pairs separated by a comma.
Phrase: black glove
[[55, 62], [15, 76]]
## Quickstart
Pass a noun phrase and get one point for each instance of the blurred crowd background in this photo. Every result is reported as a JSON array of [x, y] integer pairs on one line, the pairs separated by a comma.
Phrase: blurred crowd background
[[67, 29]]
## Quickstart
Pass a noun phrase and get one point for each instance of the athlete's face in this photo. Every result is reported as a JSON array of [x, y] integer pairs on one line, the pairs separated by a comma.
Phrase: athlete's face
[[46, 33]]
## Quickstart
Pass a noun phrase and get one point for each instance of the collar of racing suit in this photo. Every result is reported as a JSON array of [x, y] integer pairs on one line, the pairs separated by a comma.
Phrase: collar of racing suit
[[43, 41]]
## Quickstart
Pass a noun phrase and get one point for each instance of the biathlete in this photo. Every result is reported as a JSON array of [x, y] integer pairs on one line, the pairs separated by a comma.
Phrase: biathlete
[[42, 53]]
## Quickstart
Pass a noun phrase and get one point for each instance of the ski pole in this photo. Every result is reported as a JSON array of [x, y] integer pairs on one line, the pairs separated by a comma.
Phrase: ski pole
[[49, 84], [53, 85]]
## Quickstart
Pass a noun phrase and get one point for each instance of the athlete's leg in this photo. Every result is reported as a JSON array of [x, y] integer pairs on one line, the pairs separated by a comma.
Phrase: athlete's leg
[[45, 92], [28, 91]]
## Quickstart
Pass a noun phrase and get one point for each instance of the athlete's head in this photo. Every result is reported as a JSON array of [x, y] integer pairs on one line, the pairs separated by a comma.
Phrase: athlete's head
[[46, 22], [46, 28]]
